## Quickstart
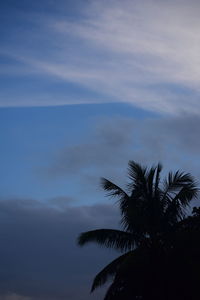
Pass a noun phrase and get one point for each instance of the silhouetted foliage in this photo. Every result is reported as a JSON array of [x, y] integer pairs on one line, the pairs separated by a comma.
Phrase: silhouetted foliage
[[160, 244]]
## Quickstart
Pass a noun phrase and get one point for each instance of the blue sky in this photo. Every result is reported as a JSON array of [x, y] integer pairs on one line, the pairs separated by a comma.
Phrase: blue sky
[[86, 86]]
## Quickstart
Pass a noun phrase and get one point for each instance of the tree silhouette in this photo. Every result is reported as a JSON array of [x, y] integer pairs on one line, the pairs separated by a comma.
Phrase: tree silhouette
[[154, 226]]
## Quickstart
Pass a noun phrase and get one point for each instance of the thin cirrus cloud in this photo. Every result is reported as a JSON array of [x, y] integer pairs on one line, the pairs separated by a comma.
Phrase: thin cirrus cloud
[[144, 53]]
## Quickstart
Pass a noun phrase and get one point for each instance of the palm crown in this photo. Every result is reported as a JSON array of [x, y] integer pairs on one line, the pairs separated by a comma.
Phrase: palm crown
[[151, 210]]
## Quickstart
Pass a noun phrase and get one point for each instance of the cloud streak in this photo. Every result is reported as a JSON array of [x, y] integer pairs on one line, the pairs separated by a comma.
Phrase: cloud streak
[[144, 53]]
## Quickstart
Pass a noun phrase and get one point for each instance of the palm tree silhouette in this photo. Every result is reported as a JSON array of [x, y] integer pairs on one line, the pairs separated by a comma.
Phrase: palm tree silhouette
[[151, 211]]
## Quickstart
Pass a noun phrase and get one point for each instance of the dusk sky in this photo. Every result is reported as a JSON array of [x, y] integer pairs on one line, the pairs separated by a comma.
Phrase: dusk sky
[[86, 86]]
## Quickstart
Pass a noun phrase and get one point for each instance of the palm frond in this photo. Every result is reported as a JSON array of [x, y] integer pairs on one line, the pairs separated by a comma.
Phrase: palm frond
[[136, 224], [157, 180], [112, 189], [175, 182], [174, 212], [110, 238], [179, 189], [109, 271], [150, 180], [115, 191], [187, 193], [137, 175], [113, 291], [125, 279]]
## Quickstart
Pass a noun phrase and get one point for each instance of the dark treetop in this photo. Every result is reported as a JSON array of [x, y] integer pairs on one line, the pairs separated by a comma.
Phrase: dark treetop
[[159, 243]]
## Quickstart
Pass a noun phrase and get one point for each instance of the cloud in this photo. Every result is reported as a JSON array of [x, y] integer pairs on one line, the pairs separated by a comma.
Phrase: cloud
[[106, 145], [39, 256], [106, 151], [13, 296], [118, 52]]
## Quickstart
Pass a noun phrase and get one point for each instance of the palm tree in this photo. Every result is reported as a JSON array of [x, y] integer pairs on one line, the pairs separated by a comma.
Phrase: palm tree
[[151, 211]]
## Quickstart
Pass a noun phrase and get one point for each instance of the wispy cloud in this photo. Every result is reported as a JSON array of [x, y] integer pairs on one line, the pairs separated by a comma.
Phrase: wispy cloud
[[173, 141], [144, 53]]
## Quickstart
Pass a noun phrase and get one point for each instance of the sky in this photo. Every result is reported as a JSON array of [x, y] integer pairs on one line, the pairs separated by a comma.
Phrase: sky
[[86, 86]]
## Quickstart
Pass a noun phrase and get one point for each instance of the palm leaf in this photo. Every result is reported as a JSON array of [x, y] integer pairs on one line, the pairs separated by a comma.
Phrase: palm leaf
[[175, 181], [137, 175], [157, 180], [187, 193], [109, 271], [115, 191], [179, 189], [125, 279], [150, 180], [110, 238], [113, 291], [112, 189]]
